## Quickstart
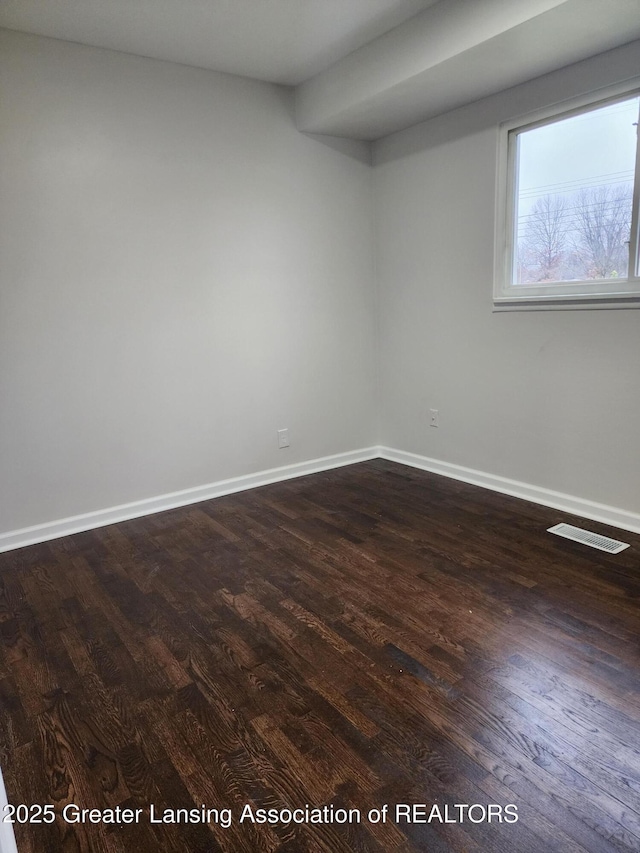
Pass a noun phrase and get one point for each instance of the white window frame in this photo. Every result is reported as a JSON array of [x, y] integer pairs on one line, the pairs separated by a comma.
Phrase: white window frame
[[594, 293]]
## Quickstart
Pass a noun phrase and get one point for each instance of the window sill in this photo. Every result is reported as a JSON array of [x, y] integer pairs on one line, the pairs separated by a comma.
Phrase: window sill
[[564, 304]]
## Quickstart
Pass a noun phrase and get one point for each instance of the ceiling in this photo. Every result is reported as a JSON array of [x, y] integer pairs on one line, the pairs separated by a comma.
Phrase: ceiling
[[283, 41], [456, 52], [361, 68]]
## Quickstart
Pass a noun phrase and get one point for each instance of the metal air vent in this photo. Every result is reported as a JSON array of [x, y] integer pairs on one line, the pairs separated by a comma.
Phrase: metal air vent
[[586, 537]]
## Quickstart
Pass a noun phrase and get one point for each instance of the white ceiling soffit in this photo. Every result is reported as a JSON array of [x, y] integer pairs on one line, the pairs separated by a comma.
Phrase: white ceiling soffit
[[454, 53], [283, 41]]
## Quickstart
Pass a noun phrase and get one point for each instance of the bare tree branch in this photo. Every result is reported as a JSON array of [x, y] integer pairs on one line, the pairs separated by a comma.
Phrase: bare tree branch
[[545, 238], [602, 228]]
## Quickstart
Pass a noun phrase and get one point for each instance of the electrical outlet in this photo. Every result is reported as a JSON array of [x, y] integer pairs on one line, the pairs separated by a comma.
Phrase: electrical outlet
[[433, 418], [283, 438]]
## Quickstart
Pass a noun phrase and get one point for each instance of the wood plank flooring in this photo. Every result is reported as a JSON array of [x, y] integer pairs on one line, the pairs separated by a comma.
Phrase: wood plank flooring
[[368, 636]]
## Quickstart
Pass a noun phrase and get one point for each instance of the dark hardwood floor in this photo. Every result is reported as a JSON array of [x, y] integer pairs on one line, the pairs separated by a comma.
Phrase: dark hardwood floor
[[373, 635]]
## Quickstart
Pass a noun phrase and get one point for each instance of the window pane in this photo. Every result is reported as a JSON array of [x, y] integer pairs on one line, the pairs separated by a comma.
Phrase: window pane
[[574, 195]]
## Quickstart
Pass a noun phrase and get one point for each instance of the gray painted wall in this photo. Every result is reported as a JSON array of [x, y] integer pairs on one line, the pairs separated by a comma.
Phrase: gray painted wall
[[182, 273], [551, 398]]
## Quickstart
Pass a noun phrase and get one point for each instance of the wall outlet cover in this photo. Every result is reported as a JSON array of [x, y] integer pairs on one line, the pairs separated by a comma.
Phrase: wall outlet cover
[[283, 438]]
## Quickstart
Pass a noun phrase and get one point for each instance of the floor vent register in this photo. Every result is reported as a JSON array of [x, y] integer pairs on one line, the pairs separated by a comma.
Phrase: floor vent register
[[586, 537]]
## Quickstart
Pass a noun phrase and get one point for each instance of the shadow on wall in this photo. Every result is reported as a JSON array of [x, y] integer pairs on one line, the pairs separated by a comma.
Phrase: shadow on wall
[[583, 77], [354, 148]]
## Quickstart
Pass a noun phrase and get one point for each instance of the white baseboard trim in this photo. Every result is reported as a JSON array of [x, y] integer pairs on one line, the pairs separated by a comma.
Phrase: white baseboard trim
[[546, 497], [536, 494], [7, 837], [100, 518]]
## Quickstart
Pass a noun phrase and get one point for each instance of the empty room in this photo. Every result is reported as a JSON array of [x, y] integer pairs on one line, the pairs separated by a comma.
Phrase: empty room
[[319, 426]]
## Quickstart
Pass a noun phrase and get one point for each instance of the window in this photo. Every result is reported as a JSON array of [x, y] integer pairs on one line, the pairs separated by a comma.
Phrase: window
[[568, 199]]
